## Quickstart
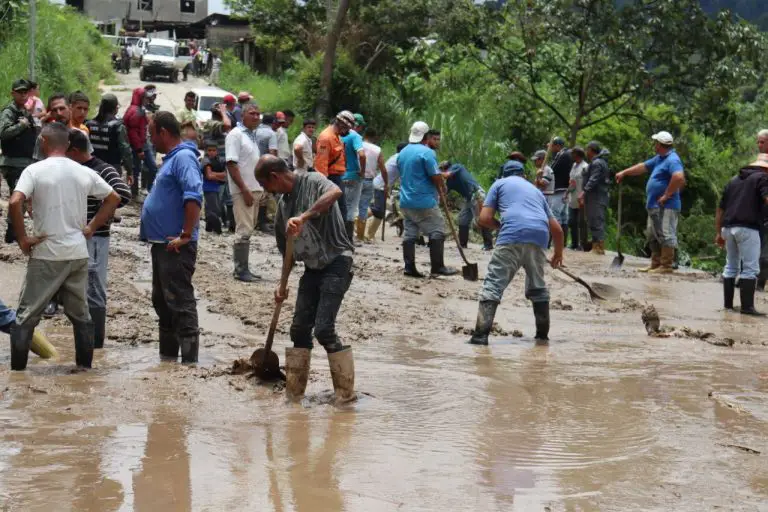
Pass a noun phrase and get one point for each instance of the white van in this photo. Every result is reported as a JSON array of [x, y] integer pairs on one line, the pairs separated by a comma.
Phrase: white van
[[161, 59], [207, 97]]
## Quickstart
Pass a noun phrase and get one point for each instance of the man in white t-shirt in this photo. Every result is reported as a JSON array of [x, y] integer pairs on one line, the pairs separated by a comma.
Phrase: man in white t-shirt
[[242, 155], [59, 190], [303, 158], [374, 165]]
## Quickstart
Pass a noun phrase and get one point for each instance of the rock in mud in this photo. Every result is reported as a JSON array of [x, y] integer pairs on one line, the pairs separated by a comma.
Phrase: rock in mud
[[651, 320]]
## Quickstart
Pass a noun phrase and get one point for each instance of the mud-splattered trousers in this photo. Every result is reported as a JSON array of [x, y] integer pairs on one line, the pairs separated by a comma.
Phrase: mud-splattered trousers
[[318, 302], [662, 228], [173, 295], [505, 262]]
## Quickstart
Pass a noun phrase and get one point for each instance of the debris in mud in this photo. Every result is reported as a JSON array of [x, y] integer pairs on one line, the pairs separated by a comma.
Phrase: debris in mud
[[560, 305], [751, 451], [411, 290], [651, 319], [495, 330], [38, 391], [626, 306], [726, 401], [241, 367], [687, 332], [517, 334]]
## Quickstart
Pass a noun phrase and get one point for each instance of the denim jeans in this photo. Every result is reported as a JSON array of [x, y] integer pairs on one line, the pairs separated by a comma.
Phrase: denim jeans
[[7, 317], [366, 194], [336, 180], [505, 262], [148, 178], [427, 221], [742, 247], [559, 207], [352, 192], [318, 301], [173, 295], [98, 258], [662, 228]]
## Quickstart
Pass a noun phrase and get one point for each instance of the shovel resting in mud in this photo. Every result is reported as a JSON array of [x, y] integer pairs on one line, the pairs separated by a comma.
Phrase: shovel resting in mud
[[469, 271], [592, 293], [265, 362], [618, 261]]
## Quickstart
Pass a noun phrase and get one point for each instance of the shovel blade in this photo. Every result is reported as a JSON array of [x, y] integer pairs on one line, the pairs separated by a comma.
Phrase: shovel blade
[[618, 261], [470, 272], [268, 369]]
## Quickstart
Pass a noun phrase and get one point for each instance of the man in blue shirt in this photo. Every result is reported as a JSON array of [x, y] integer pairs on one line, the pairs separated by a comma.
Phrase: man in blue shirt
[[663, 201], [169, 221], [420, 186], [354, 156], [524, 231], [461, 181]]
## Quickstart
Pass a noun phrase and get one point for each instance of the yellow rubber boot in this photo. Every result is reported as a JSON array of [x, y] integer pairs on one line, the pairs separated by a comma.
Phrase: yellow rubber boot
[[372, 227], [655, 263], [667, 260]]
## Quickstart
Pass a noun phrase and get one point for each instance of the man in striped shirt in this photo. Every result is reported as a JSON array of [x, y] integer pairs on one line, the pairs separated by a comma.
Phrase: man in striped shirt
[[98, 244]]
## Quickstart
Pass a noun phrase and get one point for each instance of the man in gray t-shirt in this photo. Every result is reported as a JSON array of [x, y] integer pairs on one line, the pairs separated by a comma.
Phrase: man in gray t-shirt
[[266, 138], [308, 213]]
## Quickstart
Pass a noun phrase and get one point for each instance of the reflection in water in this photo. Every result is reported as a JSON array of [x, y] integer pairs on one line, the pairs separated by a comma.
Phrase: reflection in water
[[164, 480]]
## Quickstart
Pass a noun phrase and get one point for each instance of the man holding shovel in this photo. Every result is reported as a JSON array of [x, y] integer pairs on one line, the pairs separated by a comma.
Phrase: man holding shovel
[[308, 212], [524, 231]]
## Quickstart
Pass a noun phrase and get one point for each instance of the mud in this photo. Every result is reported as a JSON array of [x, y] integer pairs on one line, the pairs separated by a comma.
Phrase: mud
[[604, 418]]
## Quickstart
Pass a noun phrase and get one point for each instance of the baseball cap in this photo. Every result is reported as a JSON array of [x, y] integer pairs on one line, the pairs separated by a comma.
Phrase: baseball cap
[[244, 96], [558, 141], [228, 99], [20, 85], [664, 138], [280, 117], [346, 117], [418, 131], [540, 154], [359, 120]]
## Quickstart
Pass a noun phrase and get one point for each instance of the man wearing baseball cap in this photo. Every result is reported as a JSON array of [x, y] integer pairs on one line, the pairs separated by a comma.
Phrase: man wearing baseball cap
[[17, 140], [330, 160], [663, 201], [420, 185], [229, 101], [243, 97]]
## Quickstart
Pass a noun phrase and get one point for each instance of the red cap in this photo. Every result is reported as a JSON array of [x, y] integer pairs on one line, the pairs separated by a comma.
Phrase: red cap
[[229, 99]]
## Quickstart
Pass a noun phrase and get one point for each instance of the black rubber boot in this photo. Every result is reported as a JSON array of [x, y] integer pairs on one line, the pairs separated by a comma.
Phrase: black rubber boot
[[487, 239], [240, 255], [729, 288], [409, 258], [51, 309], [10, 236], [189, 348], [436, 249], [541, 312], [135, 189], [747, 290], [486, 312], [21, 340], [99, 321], [231, 226], [760, 285], [464, 236], [349, 227], [83, 343], [169, 344]]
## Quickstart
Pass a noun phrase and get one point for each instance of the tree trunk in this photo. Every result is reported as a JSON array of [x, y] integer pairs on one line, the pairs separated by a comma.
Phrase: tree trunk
[[324, 104], [575, 129]]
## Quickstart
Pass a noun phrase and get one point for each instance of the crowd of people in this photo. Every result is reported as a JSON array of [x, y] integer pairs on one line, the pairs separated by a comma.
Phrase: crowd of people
[[328, 194]]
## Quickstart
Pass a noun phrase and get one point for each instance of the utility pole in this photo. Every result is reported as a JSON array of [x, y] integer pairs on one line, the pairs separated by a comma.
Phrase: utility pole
[[32, 30]]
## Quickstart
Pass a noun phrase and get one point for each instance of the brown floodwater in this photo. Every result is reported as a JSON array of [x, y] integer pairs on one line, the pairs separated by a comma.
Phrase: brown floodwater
[[604, 418]]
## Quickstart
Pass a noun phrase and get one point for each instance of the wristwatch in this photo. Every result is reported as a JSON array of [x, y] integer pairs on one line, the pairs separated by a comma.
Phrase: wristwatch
[[184, 235]]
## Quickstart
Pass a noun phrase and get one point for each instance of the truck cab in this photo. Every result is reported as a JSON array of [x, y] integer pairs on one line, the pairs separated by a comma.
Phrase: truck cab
[[161, 60]]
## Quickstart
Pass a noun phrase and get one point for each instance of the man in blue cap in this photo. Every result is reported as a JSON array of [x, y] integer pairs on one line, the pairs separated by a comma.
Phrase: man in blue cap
[[461, 181]]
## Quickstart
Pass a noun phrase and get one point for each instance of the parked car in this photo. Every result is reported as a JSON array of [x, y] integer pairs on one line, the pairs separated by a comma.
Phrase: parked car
[[207, 97], [161, 59]]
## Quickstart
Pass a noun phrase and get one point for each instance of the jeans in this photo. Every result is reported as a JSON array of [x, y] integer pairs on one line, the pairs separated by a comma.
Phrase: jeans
[[98, 258], [505, 262], [336, 180], [559, 207], [366, 195], [574, 225], [662, 228], [318, 302], [742, 247], [595, 205], [379, 207], [352, 192], [173, 295], [11, 175], [428, 221], [148, 178], [225, 197], [7, 317], [45, 279]]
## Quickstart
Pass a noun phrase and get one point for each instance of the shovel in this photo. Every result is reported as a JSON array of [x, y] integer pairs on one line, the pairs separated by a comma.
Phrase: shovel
[[266, 364], [618, 261], [469, 271], [592, 293]]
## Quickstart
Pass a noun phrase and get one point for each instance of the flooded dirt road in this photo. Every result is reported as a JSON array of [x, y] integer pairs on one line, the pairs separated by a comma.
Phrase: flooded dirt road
[[604, 418]]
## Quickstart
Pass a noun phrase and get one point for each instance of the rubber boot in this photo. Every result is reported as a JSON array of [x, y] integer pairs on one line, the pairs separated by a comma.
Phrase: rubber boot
[[51, 309], [747, 291], [409, 258], [264, 225], [729, 288], [349, 227], [464, 236], [541, 312], [655, 263], [135, 189], [83, 343], [598, 248], [667, 259], [189, 348], [99, 321], [487, 239], [231, 226], [21, 340], [169, 344], [297, 361], [240, 255], [486, 312], [373, 225], [760, 285], [343, 375], [360, 229], [436, 250]]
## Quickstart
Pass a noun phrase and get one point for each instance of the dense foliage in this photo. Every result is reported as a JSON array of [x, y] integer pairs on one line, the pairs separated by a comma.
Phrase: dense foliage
[[498, 76]]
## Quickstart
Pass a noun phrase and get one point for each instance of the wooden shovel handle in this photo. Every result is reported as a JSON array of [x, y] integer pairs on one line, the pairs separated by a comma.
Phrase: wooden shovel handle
[[444, 204], [287, 266]]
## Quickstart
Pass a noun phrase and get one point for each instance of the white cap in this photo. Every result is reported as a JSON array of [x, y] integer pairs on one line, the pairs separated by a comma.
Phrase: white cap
[[664, 138], [418, 131]]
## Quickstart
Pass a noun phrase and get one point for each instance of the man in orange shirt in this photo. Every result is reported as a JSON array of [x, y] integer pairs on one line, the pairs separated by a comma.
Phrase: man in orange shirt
[[78, 108], [330, 160]]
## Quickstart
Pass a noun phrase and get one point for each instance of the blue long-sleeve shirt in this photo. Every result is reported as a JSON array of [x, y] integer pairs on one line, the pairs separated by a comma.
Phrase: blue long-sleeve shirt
[[177, 182]]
